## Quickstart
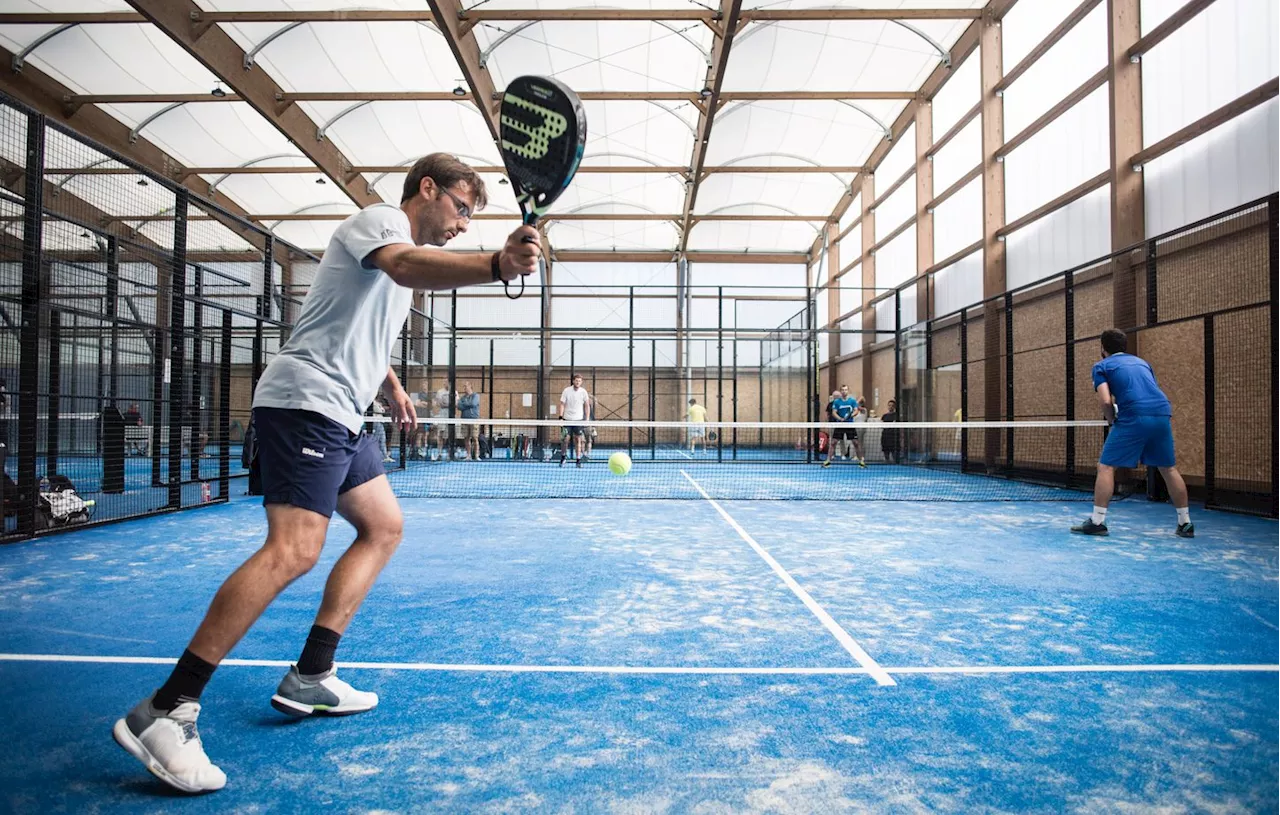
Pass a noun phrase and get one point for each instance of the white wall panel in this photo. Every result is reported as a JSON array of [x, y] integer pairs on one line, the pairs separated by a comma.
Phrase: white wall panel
[[900, 158], [958, 96], [1074, 234], [959, 156], [957, 222], [1080, 54], [958, 285], [1072, 150], [896, 209], [1027, 24], [896, 260], [1230, 165], [1222, 53]]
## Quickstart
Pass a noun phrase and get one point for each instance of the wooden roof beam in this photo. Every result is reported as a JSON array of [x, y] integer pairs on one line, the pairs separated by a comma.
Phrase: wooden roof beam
[[215, 49], [729, 21]]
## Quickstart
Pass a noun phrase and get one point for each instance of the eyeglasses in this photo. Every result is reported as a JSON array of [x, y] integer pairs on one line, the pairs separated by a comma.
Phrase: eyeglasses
[[464, 211]]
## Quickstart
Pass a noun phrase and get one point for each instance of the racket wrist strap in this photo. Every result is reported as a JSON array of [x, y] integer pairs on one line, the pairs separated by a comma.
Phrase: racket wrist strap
[[494, 268]]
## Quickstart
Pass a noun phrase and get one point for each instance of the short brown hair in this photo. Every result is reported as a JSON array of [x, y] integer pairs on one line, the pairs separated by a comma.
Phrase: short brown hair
[[446, 170], [1114, 341]]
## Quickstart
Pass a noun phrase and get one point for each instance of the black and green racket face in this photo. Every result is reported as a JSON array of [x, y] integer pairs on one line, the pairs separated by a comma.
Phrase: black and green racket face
[[543, 132]]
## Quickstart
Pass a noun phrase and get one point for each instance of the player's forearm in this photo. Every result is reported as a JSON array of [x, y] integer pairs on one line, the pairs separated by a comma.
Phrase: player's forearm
[[437, 270], [392, 383]]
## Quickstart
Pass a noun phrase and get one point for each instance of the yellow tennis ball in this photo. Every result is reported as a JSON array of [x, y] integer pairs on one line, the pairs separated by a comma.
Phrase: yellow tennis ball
[[619, 463]]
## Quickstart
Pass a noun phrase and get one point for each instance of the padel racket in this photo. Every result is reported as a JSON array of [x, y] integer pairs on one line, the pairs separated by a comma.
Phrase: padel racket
[[543, 129]]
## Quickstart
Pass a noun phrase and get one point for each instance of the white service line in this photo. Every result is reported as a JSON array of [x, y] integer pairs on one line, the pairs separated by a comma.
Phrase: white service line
[[864, 659], [710, 670]]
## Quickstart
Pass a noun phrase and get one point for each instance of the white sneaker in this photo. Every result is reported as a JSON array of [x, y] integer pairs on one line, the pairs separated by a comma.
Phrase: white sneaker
[[300, 695], [169, 745]]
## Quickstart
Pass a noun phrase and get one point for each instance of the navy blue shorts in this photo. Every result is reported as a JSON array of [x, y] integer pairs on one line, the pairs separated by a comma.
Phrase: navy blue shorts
[[308, 460], [1145, 439]]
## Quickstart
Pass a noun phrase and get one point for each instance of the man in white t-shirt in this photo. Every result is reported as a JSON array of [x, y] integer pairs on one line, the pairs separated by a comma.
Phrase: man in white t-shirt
[[314, 458], [575, 407]]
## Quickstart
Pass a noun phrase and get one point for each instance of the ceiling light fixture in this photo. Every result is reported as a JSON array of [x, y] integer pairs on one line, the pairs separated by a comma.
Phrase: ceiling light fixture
[[459, 90], [705, 93], [142, 182], [321, 180], [217, 90]]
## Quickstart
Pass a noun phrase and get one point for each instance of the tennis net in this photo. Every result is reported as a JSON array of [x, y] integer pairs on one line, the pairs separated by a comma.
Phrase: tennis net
[[907, 461]]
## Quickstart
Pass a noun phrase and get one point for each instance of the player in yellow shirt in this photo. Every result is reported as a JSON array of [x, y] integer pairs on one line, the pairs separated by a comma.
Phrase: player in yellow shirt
[[698, 414]]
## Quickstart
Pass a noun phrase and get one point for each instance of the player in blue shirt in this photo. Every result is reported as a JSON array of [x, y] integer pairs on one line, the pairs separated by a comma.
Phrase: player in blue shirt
[[843, 410], [1141, 432]]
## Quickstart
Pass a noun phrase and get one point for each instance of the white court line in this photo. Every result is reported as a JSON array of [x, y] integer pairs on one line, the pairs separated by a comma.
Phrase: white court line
[[864, 659], [665, 669]]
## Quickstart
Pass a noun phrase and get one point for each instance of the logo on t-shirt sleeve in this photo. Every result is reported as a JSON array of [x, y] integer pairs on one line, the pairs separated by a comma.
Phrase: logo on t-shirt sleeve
[[388, 233]]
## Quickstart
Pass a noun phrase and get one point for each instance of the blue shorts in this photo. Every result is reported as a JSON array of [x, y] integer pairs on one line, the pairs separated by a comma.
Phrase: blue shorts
[[1145, 439], [308, 460]]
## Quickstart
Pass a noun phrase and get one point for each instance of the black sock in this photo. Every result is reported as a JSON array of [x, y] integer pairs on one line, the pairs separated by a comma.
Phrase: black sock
[[185, 684], [317, 654]]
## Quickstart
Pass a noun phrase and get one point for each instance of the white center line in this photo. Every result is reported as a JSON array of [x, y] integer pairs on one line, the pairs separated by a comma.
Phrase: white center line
[[864, 659]]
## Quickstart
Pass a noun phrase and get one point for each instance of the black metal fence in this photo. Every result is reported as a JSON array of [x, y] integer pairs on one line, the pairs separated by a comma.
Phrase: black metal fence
[[1199, 303], [133, 316]]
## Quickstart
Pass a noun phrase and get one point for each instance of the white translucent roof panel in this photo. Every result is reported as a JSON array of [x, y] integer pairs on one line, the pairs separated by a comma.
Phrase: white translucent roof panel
[[308, 5], [860, 55], [765, 193], [487, 235], [823, 131], [640, 132], [354, 56], [313, 235], [117, 194], [396, 132], [121, 58], [586, 55], [738, 236], [279, 193], [597, 192], [608, 235], [210, 135]]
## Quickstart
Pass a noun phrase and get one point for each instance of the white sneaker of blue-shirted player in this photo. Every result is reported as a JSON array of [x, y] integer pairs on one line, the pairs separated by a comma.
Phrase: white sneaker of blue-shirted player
[[300, 695], [168, 745]]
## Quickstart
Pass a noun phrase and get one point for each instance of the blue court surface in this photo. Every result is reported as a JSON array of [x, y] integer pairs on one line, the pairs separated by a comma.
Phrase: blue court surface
[[599, 656]]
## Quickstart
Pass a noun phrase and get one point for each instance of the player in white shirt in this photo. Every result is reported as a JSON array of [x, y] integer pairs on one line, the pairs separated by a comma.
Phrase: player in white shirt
[[575, 407]]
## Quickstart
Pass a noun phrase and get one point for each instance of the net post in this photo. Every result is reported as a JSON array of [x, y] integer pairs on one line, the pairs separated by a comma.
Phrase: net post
[[453, 372], [631, 368], [719, 369], [493, 385], [964, 388], [1210, 447], [177, 344], [1069, 351], [1273, 260], [653, 396], [897, 345], [734, 441], [112, 309], [224, 411], [1008, 377], [53, 421], [32, 320], [429, 395], [197, 363], [760, 390], [158, 363]]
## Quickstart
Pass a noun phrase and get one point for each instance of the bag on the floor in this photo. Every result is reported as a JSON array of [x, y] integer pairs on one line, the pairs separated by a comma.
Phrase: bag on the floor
[[60, 504]]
